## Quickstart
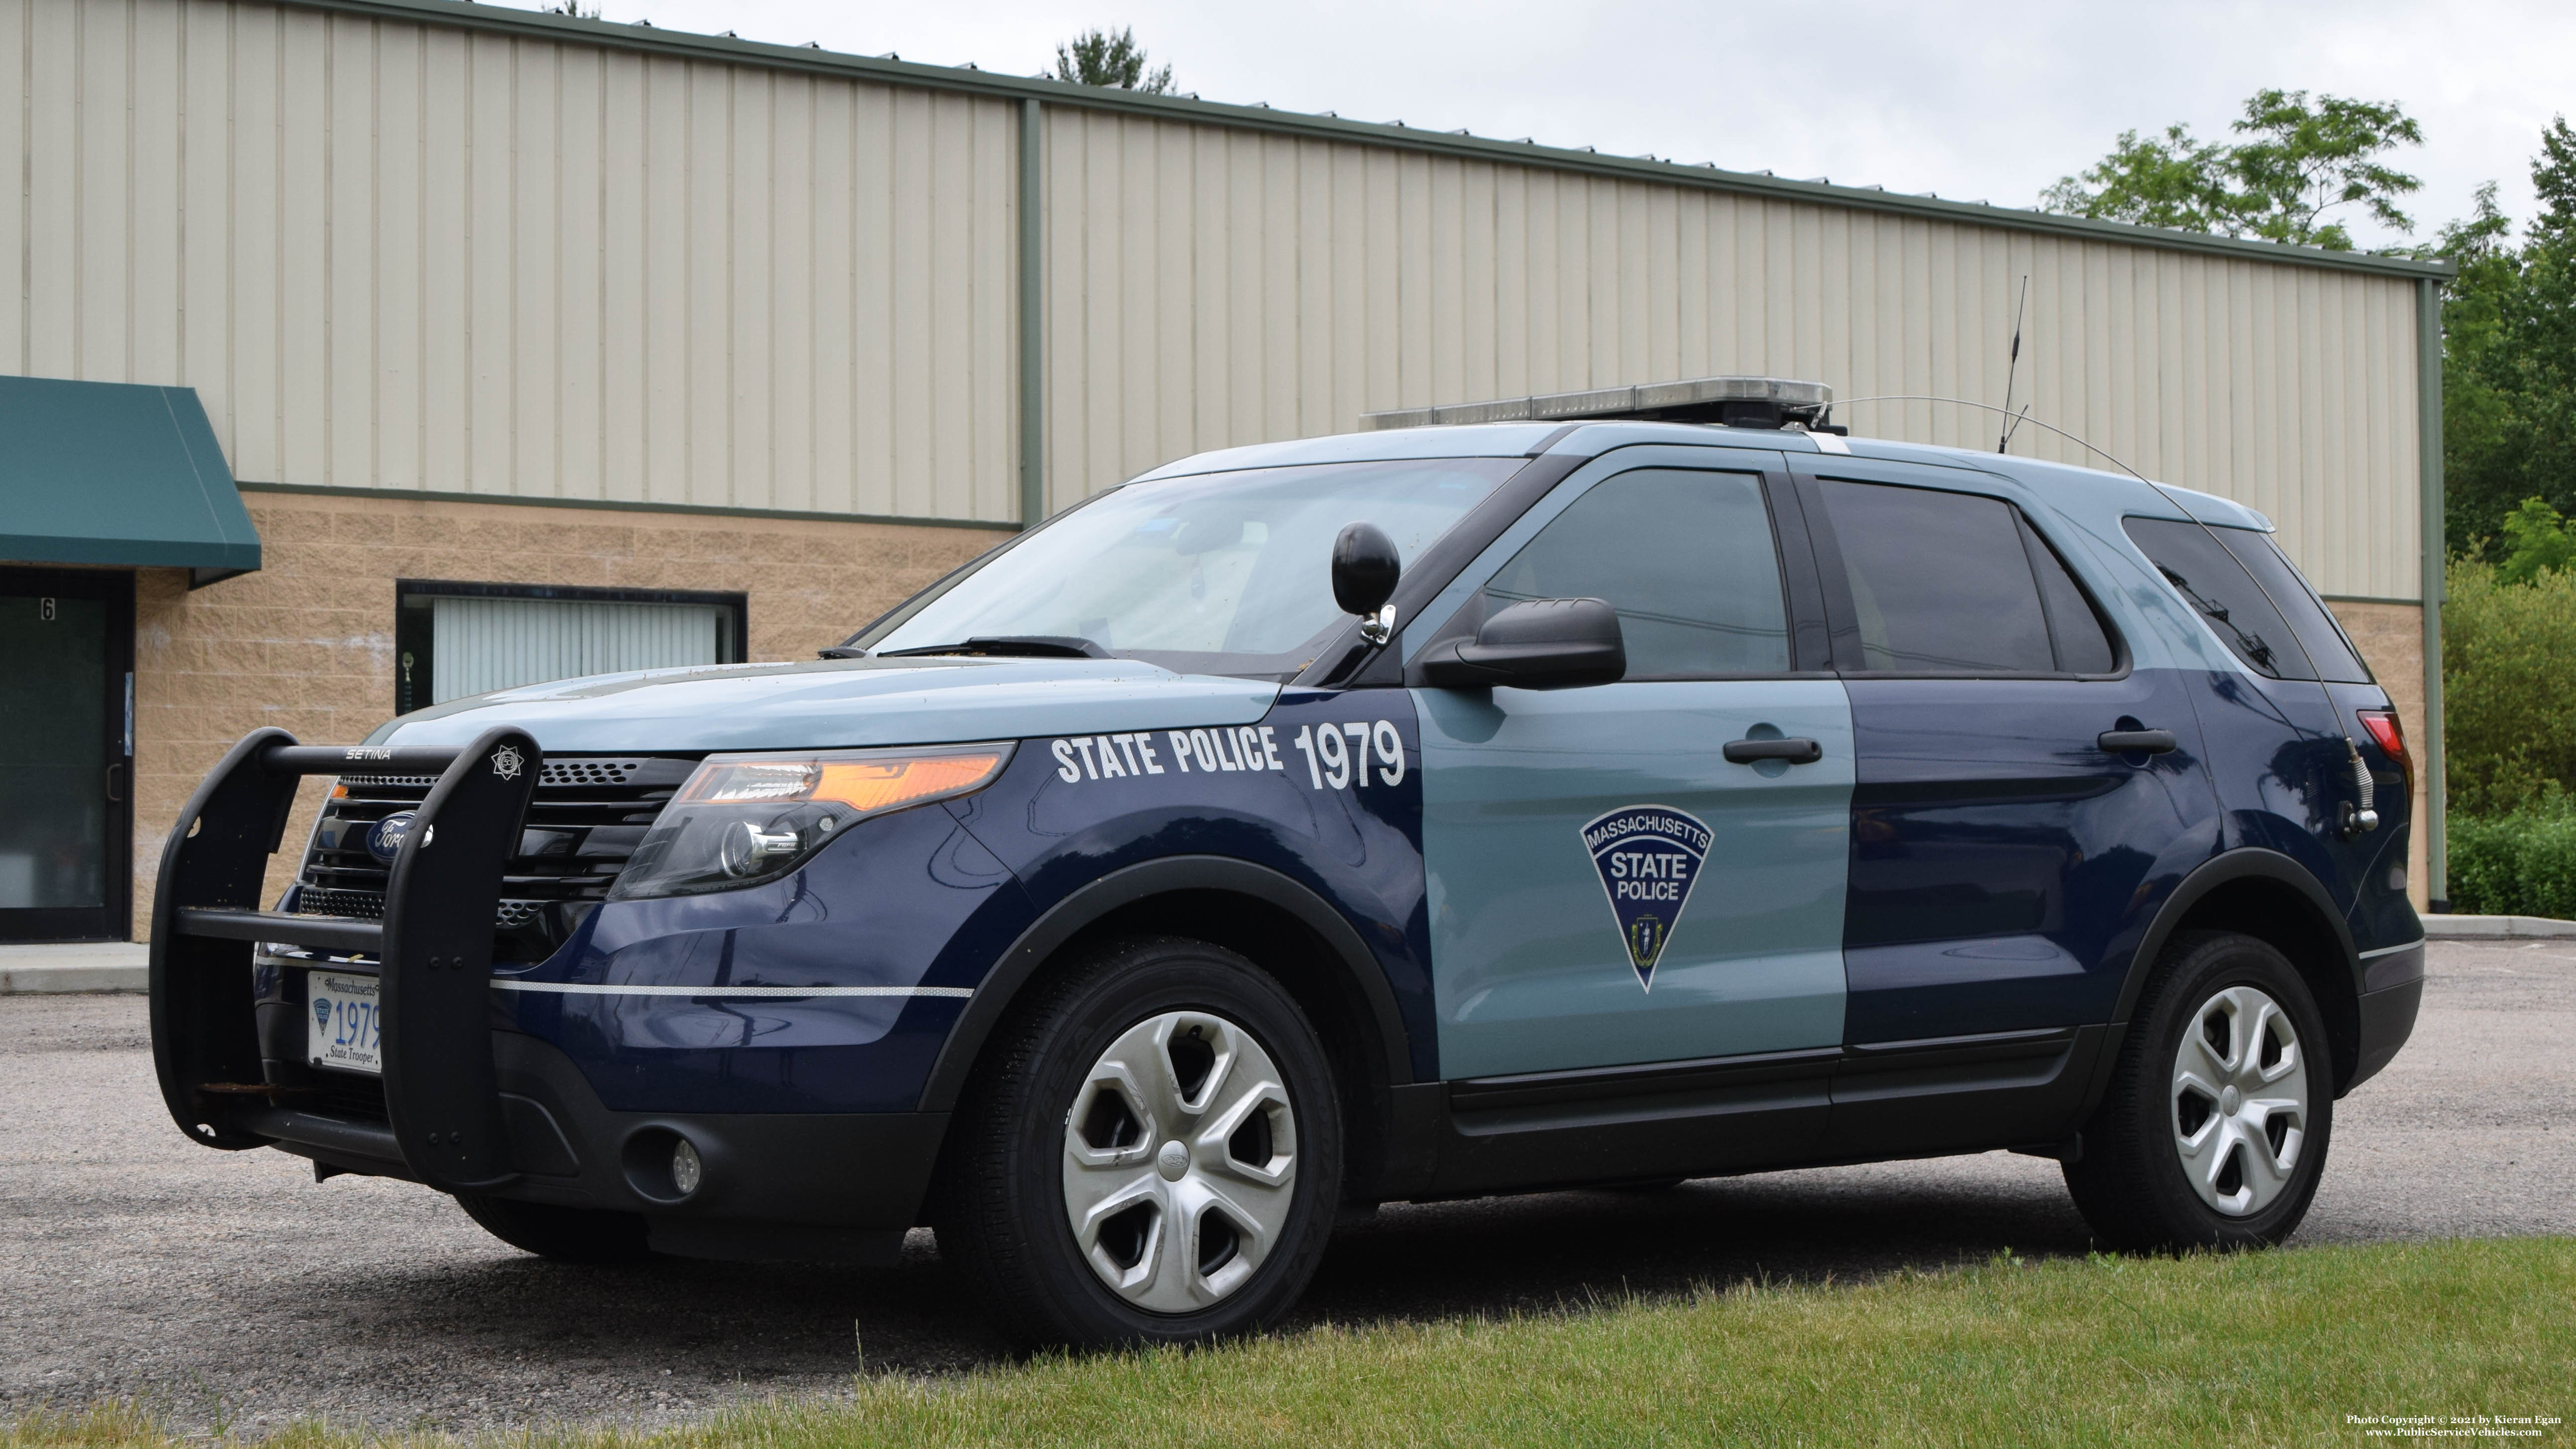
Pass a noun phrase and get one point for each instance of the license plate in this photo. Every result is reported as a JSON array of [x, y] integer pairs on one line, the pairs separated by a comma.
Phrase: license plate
[[346, 1029]]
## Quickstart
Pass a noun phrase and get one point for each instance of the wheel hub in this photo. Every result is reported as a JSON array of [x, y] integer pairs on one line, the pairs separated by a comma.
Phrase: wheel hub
[[2240, 1101], [1180, 1161]]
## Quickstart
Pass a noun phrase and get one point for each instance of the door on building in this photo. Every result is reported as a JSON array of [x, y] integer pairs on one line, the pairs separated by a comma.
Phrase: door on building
[[66, 754]]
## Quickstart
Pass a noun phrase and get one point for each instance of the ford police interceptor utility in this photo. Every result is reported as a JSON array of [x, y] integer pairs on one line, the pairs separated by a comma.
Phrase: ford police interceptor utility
[[1427, 812]]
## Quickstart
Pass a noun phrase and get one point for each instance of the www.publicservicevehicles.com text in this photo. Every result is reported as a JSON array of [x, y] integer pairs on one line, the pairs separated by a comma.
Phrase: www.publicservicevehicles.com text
[[2452, 1426]]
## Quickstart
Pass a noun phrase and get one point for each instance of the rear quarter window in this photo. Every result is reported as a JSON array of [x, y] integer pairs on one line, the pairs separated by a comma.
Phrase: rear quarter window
[[2328, 649], [2211, 580]]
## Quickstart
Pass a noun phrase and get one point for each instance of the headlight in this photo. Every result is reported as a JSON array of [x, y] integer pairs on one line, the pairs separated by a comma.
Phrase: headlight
[[742, 819]]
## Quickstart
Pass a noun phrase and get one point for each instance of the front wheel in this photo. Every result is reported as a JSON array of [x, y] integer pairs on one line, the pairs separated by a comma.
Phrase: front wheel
[[1150, 1153], [2213, 1133]]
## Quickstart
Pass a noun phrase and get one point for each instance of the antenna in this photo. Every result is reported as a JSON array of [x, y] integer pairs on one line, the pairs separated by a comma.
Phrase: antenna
[[2012, 365], [1990, 407]]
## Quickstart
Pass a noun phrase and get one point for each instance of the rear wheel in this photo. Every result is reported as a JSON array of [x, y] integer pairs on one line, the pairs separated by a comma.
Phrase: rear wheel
[[567, 1235], [1150, 1153], [2214, 1131]]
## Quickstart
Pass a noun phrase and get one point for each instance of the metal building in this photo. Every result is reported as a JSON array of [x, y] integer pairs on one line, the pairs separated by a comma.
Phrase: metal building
[[522, 321]]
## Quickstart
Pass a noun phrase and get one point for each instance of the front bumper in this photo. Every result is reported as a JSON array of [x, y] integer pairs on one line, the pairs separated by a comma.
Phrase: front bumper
[[837, 1186], [463, 1106]]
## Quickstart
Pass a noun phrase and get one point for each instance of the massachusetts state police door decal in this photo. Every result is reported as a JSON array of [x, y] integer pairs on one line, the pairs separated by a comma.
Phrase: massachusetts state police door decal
[[1649, 858]]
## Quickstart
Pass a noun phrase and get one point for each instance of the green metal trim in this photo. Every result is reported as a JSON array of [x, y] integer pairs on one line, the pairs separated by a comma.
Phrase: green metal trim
[[1033, 493], [533, 25], [2436, 554], [620, 505], [2370, 599]]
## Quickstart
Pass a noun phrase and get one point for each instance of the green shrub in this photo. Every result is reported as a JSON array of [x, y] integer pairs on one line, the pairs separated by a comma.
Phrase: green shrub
[[2509, 687], [2522, 864]]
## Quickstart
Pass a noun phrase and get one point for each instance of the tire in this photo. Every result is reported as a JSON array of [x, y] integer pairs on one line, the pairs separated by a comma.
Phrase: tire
[[567, 1235], [1124, 1171], [2214, 1131]]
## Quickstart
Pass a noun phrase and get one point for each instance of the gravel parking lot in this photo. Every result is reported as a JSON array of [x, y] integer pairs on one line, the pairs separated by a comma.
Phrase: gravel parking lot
[[233, 1291]]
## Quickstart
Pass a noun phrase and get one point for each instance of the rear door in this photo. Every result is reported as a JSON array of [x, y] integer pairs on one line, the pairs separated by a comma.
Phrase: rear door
[[2003, 862], [1605, 888]]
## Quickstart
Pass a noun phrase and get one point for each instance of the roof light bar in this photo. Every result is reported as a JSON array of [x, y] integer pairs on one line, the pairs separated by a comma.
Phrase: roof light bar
[[1739, 402]]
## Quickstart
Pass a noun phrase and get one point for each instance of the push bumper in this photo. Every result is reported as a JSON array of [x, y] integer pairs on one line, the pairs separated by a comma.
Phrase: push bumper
[[462, 1107]]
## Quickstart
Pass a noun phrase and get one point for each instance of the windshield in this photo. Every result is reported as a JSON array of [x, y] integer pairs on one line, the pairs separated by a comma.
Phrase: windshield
[[1209, 573]]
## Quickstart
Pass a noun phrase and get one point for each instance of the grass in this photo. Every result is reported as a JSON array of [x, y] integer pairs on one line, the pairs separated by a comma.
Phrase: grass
[[2252, 1349]]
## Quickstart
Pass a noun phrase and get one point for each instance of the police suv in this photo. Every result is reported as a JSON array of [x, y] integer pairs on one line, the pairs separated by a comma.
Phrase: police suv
[[1428, 812]]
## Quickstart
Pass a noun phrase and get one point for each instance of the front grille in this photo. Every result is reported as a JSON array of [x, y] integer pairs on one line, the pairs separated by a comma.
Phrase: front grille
[[316, 901], [587, 817]]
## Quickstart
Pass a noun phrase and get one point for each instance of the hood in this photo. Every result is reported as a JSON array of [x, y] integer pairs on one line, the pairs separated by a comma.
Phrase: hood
[[837, 703]]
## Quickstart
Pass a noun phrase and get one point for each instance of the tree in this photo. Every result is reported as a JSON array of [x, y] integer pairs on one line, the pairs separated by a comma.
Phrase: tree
[[2296, 163], [2509, 362], [2170, 182], [2536, 543], [1099, 58]]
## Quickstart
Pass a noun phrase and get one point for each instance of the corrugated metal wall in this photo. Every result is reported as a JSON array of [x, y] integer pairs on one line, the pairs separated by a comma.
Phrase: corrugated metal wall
[[395, 256], [1210, 287], [481, 644], [390, 254]]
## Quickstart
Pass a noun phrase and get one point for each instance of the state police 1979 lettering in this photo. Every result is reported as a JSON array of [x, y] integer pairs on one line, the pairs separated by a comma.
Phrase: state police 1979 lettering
[[1336, 755]]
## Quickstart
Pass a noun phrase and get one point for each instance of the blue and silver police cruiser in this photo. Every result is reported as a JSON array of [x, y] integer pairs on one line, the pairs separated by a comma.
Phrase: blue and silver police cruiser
[[1428, 812]]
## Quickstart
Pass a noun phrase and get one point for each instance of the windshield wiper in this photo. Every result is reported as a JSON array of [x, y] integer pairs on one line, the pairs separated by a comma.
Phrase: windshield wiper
[[1016, 646]]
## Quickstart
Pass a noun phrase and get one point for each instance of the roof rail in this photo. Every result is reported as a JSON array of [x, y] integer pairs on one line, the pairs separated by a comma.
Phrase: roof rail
[[1736, 402]]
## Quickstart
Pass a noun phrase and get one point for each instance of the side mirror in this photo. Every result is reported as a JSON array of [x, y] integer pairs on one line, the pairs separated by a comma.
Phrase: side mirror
[[1365, 569], [1542, 644]]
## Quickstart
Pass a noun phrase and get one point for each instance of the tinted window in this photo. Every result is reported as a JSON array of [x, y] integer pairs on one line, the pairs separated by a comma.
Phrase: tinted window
[[2210, 580], [2083, 646], [1686, 558], [2327, 648], [1940, 582]]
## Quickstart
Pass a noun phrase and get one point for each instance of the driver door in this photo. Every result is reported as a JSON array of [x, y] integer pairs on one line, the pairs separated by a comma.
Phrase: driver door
[[1605, 888]]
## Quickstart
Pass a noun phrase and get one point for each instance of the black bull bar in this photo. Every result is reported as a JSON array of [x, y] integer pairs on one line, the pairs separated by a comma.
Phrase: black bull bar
[[434, 947]]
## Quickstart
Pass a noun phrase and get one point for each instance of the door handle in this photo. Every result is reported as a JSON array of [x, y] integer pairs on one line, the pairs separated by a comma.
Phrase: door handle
[[114, 774], [1795, 751], [2147, 742]]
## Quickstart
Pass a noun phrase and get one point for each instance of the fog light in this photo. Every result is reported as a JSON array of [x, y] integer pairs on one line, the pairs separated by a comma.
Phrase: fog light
[[686, 1169]]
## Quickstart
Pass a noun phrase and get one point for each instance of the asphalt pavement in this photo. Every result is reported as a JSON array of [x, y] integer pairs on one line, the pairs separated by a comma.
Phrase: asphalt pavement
[[230, 1290]]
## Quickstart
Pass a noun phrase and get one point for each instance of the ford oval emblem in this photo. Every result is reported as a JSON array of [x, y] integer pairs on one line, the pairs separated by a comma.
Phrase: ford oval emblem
[[385, 840]]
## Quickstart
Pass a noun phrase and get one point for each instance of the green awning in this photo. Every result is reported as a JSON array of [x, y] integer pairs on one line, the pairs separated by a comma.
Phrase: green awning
[[114, 473]]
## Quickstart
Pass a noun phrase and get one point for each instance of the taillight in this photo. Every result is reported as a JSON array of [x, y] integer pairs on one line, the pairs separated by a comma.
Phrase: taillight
[[2390, 736]]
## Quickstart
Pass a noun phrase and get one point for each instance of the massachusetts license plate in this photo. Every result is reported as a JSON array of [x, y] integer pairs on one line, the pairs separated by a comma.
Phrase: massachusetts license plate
[[346, 1030]]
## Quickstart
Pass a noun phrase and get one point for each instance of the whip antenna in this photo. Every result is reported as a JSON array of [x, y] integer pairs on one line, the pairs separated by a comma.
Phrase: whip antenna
[[2012, 365]]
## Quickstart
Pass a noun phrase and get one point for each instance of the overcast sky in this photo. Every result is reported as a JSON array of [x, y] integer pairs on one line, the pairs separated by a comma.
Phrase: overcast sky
[[1990, 101]]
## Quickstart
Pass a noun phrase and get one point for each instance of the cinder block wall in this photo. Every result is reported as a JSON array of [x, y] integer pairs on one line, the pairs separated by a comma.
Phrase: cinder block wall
[[307, 643]]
